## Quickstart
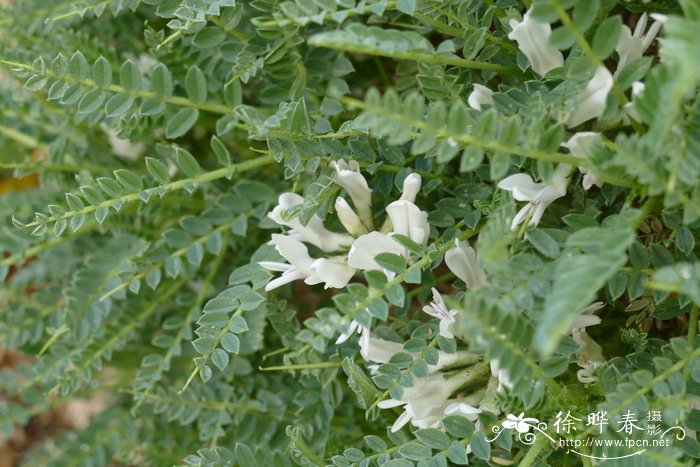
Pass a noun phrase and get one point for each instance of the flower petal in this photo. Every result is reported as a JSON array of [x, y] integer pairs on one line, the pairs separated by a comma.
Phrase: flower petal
[[463, 261], [367, 246], [407, 219]]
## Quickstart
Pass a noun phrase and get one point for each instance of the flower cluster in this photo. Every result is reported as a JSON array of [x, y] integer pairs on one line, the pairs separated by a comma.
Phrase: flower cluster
[[355, 250], [532, 37]]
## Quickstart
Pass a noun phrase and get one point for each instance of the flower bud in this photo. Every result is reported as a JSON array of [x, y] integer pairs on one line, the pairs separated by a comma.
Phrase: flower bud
[[348, 218], [411, 187]]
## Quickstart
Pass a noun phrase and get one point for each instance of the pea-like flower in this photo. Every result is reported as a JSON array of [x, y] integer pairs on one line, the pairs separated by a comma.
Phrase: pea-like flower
[[481, 95], [314, 232], [463, 261], [532, 37], [438, 309], [348, 218], [638, 88], [591, 100], [631, 46], [579, 145], [590, 354], [425, 403], [406, 219], [348, 176], [539, 195], [330, 272], [379, 351]]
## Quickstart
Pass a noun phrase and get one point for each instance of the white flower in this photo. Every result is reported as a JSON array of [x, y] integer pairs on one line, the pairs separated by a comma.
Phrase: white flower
[[481, 95], [591, 100], [354, 327], [411, 187], [463, 261], [519, 423], [332, 272], [501, 375], [539, 195], [586, 318], [302, 266], [579, 145], [463, 409], [348, 176], [406, 219], [348, 218], [380, 351], [637, 89], [532, 37], [590, 354], [438, 309], [367, 246], [425, 402], [314, 232], [631, 46], [123, 147]]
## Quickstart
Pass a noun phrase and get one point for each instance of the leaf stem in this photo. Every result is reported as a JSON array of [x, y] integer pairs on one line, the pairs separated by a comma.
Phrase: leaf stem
[[168, 187], [175, 100], [693, 325]]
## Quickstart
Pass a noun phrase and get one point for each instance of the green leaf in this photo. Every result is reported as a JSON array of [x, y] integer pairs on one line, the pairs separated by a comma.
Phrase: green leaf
[[220, 151], [406, 6], [361, 385], [72, 94], [379, 309], [118, 104], [414, 451], [238, 324], [244, 455], [204, 344], [187, 163], [74, 202], [457, 453], [554, 366], [158, 170], [36, 83], [220, 359], [91, 101], [79, 68], [472, 157], [543, 243], [480, 447], [129, 76], [129, 180], [685, 242], [181, 122], [101, 214], [390, 261], [457, 425], [230, 342], [433, 438], [617, 284], [562, 38], [584, 14], [161, 81], [196, 85], [221, 303], [59, 227], [208, 38], [577, 278], [110, 187], [375, 443], [606, 37], [102, 72]]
